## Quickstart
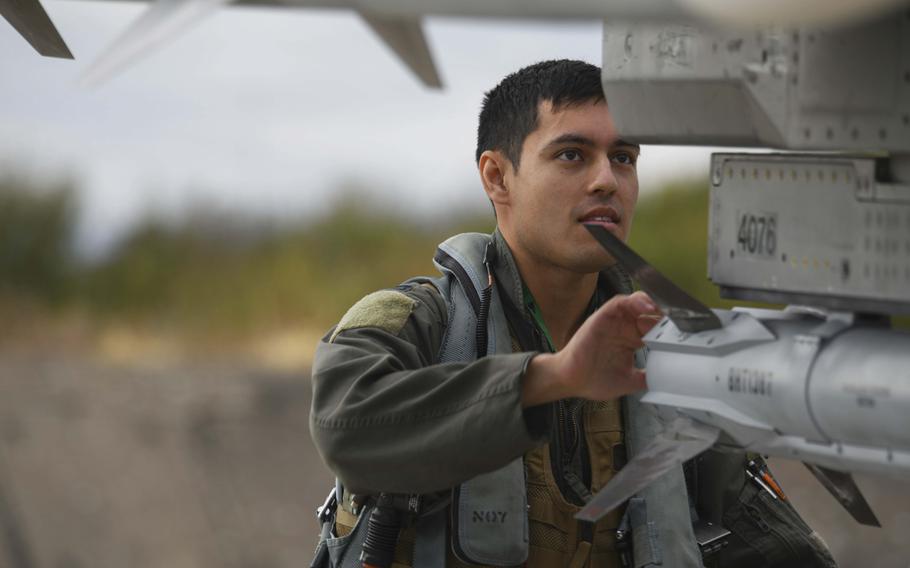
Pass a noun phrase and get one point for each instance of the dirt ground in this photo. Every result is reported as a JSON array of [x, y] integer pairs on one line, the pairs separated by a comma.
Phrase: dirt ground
[[210, 464]]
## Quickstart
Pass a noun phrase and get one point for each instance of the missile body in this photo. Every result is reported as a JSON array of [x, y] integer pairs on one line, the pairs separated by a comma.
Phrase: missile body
[[825, 391]]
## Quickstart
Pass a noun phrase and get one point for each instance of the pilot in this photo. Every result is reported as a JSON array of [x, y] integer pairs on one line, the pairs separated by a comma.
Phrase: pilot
[[469, 417]]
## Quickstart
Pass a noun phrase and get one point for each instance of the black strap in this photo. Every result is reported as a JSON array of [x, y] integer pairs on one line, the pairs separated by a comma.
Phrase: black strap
[[525, 333]]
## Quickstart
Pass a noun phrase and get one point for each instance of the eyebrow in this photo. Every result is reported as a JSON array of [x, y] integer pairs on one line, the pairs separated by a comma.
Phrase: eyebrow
[[621, 142], [572, 138]]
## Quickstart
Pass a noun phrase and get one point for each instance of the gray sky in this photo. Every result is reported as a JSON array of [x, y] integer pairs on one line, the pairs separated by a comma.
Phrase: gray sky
[[269, 111]]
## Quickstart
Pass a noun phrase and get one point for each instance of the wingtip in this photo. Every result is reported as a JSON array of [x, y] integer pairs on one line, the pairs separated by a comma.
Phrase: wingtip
[[62, 52], [29, 18], [433, 82], [406, 38]]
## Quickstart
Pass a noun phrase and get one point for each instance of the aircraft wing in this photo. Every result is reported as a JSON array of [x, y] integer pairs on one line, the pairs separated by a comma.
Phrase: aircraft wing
[[397, 22], [32, 22], [165, 19]]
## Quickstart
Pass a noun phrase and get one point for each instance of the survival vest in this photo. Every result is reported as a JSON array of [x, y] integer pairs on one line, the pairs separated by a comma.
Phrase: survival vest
[[517, 515]]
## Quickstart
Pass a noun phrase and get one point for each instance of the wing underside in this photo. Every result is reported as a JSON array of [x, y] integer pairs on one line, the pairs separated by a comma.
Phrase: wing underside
[[165, 19]]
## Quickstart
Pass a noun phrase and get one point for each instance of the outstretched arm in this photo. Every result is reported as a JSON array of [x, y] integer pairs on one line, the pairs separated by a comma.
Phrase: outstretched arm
[[598, 363]]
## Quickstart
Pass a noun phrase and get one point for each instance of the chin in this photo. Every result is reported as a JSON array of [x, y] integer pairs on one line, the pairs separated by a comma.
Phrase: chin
[[592, 259]]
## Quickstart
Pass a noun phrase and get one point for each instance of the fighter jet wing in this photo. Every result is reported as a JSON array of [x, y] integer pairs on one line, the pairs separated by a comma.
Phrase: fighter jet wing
[[398, 23], [683, 439], [167, 18], [686, 312], [33, 23], [406, 38]]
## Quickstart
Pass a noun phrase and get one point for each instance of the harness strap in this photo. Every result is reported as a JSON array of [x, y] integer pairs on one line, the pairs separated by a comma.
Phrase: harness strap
[[582, 553]]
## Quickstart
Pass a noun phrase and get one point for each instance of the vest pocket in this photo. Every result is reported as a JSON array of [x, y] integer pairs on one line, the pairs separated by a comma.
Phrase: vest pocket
[[774, 530], [552, 544], [603, 416], [605, 440], [490, 517], [344, 550]]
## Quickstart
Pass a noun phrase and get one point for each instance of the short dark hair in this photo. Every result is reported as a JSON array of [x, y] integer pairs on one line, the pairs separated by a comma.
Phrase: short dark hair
[[509, 111]]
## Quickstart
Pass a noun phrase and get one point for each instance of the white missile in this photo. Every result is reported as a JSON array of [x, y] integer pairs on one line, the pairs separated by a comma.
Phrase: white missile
[[833, 392]]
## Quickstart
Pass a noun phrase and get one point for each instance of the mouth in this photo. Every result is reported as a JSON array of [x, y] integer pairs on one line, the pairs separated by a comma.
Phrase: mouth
[[604, 216]]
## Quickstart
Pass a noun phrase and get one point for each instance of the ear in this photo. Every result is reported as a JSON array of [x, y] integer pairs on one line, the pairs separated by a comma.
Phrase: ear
[[494, 166]]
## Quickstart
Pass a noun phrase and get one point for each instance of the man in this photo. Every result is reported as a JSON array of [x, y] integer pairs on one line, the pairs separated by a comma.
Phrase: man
[[410, 399]]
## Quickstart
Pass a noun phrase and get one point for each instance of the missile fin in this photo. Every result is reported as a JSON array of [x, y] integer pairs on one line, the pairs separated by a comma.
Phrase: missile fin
[[843, 488], [686, 312], [163, 20], [405, 36], [682, 440], [33, 23]]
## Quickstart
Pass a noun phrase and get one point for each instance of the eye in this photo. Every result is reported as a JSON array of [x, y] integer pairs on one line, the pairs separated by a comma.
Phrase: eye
[[624, 158], [569, 156]]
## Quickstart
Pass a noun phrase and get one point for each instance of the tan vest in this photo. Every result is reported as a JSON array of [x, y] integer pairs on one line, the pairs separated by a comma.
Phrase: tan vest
[[553, 530], [554, 538]]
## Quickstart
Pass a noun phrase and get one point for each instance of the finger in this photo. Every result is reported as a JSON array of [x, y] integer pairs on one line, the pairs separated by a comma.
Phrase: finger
[[640, 379], [616, 323], [626, 307], [647, 322], [635, 305], [645, 303], [634, 382]]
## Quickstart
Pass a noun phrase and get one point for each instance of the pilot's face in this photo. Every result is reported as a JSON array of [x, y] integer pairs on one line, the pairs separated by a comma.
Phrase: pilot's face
[[574, 169]]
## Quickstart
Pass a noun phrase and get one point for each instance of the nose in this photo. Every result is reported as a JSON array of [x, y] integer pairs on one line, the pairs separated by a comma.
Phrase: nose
[[603, 180]]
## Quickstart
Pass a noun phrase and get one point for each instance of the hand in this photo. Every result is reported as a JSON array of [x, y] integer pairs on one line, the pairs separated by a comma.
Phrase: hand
[[598, 363]]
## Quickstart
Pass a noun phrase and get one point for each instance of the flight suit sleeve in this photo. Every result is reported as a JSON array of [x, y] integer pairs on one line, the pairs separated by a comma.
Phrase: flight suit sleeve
[[386, 417]]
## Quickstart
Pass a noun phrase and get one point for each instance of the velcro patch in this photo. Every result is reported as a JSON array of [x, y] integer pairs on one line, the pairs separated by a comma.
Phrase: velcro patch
[[387, 310]]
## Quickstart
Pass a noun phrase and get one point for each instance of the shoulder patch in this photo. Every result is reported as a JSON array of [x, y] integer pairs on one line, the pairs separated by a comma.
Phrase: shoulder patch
[[387, 310]]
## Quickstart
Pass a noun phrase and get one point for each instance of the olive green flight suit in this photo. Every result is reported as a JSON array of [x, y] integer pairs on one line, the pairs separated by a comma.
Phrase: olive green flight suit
[[387, 418]]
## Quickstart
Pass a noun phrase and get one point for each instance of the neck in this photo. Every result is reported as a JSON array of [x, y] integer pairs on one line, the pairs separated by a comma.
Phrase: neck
[[561, 295]]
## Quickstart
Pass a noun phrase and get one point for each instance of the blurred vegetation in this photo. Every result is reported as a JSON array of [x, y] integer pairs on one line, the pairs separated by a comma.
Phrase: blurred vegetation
[[224, 276], [215, 274], [206, 275], [36, 230]]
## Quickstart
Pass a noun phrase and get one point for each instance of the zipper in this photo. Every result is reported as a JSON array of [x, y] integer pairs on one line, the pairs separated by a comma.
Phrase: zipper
[[563, 445], [462, 276], [571, 432]]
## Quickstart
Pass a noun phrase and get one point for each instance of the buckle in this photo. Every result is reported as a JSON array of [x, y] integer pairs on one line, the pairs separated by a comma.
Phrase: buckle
[[328, 508]]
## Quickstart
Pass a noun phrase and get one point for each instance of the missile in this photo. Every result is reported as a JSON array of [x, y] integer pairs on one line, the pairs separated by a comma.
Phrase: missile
[[831, 389]]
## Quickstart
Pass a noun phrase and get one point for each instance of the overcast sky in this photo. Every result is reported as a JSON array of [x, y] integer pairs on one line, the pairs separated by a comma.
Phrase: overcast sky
[[269, 111]]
